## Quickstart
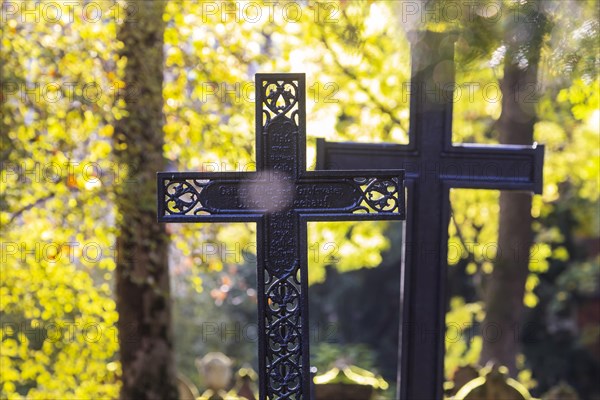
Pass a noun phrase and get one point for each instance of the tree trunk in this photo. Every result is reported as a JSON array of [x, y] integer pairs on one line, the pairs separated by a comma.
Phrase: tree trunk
[[142, 287], [506, 285]]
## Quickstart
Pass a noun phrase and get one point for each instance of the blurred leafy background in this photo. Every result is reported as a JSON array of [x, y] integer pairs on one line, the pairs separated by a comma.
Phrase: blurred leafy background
[[63, 92]]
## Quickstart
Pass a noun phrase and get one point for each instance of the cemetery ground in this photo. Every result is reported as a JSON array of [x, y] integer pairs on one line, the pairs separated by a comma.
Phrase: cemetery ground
[[299, 200]]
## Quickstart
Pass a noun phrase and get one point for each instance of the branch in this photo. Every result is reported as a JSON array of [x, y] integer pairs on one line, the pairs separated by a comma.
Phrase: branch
[[460, 236], [17, 213], [382, 107]]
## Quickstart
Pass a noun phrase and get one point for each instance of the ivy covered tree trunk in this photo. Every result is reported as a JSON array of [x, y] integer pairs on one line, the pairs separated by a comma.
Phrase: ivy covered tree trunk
[[143, 295], [506, 285]]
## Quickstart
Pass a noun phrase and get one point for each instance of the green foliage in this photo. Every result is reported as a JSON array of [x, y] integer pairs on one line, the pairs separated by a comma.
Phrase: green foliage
[[58, 315], [463, 344], [579, 281]]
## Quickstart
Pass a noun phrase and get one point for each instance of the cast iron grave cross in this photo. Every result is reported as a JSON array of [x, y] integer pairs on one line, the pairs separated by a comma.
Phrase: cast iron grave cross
[[281, 196], [433, 166]]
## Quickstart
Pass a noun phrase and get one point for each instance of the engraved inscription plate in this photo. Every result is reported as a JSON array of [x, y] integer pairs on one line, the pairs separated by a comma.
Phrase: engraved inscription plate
[[280, 194]]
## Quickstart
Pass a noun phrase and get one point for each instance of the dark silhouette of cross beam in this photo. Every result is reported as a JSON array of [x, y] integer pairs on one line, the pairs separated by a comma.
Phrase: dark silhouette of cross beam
[[433, 166], [281, 197]]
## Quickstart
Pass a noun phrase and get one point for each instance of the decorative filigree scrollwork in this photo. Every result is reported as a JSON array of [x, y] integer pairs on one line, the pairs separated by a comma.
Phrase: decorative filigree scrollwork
[[182, 197], [280, 99], [283, 325], [379, 195]]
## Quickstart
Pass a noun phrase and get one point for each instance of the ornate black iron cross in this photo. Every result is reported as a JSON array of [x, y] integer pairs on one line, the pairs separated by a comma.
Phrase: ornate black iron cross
[[281, 196], [433, 166]]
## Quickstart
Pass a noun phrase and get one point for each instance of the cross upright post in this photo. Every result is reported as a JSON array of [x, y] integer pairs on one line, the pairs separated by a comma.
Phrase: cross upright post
[[433, 166], [281, 197]]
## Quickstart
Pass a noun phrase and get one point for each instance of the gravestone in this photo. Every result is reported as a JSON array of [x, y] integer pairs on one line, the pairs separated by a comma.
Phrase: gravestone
[[215, 370], [493, 384], [186, 388], [281, 197], [245, 385], [433, 166]]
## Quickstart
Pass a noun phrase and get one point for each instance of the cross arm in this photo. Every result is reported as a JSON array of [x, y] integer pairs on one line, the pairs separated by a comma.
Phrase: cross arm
[[247, 196], [500, 167], [204, 197], [353, 195]]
